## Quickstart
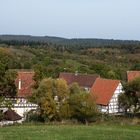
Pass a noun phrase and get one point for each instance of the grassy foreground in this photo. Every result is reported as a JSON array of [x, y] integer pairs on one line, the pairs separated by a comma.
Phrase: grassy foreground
[[69, 132]]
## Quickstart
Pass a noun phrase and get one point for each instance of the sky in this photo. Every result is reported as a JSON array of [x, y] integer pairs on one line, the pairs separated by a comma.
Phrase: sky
[[107, 19]]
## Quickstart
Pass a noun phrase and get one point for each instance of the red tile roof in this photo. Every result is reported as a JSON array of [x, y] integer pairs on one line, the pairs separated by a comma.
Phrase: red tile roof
[[84, 80], [26, 78], [131, 75], [104, 89]]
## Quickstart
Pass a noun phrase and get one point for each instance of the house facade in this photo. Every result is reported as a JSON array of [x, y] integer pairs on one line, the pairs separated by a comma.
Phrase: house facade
[[106, 92], [21, 105]]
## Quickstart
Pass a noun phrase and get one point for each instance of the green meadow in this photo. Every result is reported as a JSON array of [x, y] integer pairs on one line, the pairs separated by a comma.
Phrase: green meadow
[[70, 132]]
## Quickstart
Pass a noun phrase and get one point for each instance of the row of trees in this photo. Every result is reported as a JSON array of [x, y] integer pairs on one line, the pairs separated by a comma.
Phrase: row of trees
[[58, 101]]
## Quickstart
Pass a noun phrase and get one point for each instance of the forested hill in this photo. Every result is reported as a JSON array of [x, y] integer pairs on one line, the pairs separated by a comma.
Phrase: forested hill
[[64, 41], [28, 38], [52, 55]]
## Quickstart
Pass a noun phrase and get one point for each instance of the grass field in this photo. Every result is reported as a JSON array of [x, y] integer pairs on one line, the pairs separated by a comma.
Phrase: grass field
[[69, 132]]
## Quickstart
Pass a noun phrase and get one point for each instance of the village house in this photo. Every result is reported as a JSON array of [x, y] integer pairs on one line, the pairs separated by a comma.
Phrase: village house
[[106, 92], [131, 75], [84, 80], [20, 103], [24, 82]]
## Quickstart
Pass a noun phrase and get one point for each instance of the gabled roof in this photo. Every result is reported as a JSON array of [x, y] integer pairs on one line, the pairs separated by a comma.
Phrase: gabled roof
[[84, 80], [104, 89], [11, 115], [131, 75], [26, 78]]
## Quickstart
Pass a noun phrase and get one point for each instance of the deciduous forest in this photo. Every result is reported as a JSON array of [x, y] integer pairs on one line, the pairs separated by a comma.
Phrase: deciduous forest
[[51, 55]]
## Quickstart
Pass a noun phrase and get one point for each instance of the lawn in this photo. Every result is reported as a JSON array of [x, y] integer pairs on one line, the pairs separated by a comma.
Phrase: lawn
[[69, 132]]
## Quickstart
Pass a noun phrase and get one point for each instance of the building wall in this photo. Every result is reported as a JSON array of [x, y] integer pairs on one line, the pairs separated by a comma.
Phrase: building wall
[[22, 106], [23, 110], [103, 108], [113, 106]]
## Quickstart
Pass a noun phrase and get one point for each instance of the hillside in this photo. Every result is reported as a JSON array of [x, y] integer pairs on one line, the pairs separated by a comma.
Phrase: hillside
[[50, 58]]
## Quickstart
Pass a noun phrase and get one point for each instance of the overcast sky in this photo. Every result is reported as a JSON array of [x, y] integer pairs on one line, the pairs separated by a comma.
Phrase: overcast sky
[[117, 19]]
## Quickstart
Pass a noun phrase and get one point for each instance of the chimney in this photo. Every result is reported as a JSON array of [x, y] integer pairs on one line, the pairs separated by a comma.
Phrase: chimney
[[19, 84]]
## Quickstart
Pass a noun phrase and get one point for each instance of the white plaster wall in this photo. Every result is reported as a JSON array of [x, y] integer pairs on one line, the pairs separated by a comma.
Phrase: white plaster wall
[[23, 110], [113, 103], [103, 109], [22, 106]]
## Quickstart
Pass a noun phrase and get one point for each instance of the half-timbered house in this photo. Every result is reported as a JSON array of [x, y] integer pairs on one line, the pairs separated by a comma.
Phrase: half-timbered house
[[106, 92], [24, 82]]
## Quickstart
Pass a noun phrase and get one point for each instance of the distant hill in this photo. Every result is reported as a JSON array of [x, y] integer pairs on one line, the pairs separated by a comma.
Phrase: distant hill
[[29, 38], [65, 41]]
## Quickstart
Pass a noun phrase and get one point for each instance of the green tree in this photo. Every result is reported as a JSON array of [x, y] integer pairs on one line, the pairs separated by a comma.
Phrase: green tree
[[131, 97], [39, 72], [4, 104], [124, 102], [83, 106], [7, 83], [74, 89]]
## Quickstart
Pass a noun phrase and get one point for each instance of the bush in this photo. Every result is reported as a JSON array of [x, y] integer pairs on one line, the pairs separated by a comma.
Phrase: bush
[[34, 116]]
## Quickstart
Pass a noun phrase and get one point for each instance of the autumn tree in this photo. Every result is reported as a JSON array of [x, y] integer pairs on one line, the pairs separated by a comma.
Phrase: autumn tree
[[58, 101], [62, 96], [52, 96]]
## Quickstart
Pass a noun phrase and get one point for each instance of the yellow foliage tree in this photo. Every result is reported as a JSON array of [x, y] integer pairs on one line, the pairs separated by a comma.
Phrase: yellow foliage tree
[[52, 96]]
